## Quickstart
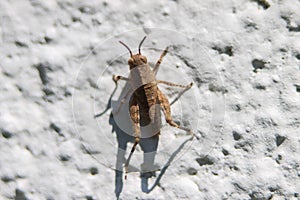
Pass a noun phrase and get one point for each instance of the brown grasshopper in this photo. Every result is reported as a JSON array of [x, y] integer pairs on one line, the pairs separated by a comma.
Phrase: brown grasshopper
[[145, 95]]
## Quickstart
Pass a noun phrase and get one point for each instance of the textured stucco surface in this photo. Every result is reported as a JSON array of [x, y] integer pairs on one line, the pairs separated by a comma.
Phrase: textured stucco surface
[[56, 63]]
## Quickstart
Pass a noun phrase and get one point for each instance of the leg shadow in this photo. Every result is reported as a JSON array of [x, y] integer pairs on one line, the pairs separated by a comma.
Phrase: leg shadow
[[108, 106], [163, 170], [149, 147]]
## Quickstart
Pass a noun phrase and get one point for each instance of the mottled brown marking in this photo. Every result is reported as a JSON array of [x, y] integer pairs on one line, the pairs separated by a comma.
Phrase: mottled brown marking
[[146, 95]]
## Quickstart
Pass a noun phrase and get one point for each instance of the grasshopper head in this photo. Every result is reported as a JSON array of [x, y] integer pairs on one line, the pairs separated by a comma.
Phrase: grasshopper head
[[137, 59]]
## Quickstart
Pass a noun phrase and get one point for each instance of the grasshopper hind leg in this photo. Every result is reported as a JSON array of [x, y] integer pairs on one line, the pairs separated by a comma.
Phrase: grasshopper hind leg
[[167, 112], [135, 117]]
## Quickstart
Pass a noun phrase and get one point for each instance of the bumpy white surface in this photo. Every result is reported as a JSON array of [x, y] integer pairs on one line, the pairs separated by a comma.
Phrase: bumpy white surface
[[57, 59]]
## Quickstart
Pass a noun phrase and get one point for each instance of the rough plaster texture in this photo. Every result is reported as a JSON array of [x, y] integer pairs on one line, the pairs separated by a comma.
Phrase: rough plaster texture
[[56, 63]]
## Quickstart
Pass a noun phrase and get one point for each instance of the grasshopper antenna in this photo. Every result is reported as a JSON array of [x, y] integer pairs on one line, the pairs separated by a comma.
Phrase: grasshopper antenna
[[141, 44], [126, 48]]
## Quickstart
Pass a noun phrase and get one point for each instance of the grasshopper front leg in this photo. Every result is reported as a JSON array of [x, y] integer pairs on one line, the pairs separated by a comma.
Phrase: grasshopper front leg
[[116, 79], [157, 64]]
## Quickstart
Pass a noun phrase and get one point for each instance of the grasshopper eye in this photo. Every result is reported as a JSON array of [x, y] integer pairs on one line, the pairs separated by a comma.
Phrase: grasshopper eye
[[144, 59], [130, 61]]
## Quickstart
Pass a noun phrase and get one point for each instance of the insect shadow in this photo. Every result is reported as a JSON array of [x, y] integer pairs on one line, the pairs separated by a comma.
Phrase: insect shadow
[[148, 145]]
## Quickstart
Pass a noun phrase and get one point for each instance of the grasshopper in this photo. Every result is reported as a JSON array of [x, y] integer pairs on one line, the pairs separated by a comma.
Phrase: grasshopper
[[145, 95]]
